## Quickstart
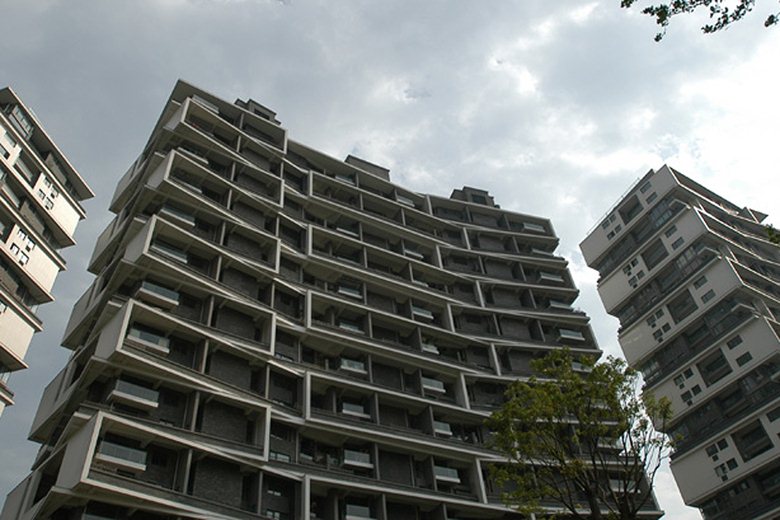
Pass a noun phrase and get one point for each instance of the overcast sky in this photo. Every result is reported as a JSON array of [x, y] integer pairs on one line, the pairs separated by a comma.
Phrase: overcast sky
[[556, 107]]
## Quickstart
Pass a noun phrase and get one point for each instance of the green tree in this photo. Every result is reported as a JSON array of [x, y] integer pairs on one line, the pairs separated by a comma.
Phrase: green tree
[[772, 234], [722, 13], [578, 435]]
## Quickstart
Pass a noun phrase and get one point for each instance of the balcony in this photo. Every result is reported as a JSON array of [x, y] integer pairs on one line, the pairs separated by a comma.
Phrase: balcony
[[421, 312], [122, 457], [169, 251], [134, 395], [357, 410], [358, 512], [445, 474], [570, 335], [429, 348], [357, 459], [149, 339], [433, 385], [177, 215], [352, 365], [442, 428], [157, 295]]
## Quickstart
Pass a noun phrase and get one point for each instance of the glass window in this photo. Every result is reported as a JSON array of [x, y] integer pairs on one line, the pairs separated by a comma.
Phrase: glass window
[[734, 342], [744, 358]]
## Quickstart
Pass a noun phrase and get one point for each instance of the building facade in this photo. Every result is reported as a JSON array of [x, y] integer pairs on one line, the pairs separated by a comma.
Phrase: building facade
[[40, 196], [695, 283], [274, 333]]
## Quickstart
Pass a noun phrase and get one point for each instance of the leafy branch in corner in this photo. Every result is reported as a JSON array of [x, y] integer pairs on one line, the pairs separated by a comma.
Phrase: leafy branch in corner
[[722, 13]]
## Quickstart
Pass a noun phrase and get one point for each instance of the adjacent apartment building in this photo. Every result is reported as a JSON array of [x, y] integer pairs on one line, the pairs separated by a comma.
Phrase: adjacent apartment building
[[695, 284], [40, 196], [276, 334]]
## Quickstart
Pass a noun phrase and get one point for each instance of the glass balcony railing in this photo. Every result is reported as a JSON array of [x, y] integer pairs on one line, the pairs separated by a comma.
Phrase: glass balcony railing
[[358, 512], [170, 251], [573, 335], [354, 410], [159, 290], [421, 312], [150, 338], [357, 458], [115, 451], [352, 365], [178, 214], [350, 291], [137, 391], [433, 385], [442, 428], [446, 474], [429, 348]]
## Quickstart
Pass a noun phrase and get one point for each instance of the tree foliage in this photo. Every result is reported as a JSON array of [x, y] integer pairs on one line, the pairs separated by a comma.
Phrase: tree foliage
[[772, 234], [579, 438], [722, 13]]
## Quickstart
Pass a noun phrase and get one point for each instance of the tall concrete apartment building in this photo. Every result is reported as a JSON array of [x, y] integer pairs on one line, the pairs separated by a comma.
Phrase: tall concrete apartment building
[[40, 195], [277, 334], [696, 286]]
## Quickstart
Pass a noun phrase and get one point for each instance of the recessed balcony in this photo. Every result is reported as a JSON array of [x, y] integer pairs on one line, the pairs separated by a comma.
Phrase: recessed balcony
[[122, 457], [357, 459], [134, 395], [445, 474], [352, 365], [149, 339], [442, 428], [157, 295]]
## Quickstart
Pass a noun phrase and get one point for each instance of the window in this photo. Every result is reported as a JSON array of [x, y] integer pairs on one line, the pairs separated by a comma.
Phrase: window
[[734, 342], [708, 296], [22, 123], [652, 198], [744, 358], [671, 231], [696, 390], [646, 186], [677, 243], [679, 381], [723, 444], [699, 282], [774, 414]]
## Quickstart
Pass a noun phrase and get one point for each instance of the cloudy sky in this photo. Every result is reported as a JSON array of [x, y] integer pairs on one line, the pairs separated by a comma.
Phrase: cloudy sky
[[556, 107]]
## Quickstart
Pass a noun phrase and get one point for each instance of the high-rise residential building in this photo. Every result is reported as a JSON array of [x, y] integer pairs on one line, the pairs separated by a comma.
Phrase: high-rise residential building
[[40, 195], [695, 283], [274, 333]]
